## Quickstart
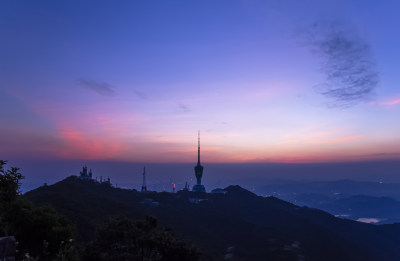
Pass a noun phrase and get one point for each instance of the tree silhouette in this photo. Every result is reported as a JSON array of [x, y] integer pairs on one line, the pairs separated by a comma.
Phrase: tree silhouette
[[40, 232], [124, 239]]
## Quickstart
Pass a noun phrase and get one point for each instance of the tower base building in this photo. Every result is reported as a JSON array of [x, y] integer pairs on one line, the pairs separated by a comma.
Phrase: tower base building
[[199, 188]]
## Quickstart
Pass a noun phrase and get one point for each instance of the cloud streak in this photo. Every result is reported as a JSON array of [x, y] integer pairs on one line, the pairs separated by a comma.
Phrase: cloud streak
[[101, 88], [347, 62], [337, 139], [392, 102], [140, 94], [79, 145], [184, 107], [387, 103]]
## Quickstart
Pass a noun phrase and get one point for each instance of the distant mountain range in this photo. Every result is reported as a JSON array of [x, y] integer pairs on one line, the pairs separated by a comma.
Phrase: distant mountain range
[[374, 202], [238, 225], [337, 189]]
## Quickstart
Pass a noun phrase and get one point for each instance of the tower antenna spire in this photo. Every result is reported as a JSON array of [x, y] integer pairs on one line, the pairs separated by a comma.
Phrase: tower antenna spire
[[198, 170], [198, 153]]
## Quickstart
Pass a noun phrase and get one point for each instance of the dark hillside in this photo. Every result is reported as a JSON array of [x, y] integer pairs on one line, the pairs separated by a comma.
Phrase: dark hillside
[[238, 224]]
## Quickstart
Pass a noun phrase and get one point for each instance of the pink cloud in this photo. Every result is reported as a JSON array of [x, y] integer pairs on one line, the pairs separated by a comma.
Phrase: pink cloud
[[337, 139], [392, 102], [76, 144], [389, 102]]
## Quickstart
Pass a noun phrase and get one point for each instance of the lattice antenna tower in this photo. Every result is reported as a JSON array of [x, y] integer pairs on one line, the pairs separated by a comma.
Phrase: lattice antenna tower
[[144, 187]]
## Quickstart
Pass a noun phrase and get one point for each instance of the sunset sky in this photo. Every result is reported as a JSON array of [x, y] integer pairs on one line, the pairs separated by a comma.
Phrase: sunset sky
[[297, 81]]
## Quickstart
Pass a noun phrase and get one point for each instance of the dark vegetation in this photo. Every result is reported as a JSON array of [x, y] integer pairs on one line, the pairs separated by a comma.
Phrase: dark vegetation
[[124, 239], [75, 219], [238, 225], [43, 234]]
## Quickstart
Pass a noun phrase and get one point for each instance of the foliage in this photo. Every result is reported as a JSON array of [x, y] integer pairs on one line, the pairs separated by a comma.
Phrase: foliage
[[9, 190], [125, 239], [67, 251], [9, 183], [38, 231]]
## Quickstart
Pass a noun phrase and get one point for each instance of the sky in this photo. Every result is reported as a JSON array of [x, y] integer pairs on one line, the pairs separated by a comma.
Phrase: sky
[[302, 81]]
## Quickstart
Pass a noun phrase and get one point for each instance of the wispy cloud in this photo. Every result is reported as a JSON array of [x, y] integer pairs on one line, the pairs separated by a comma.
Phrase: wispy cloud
[[140, 94], [101, 88], [384, 155], [336, 140], [77, 144], [391, 102], [346, 61], [184, 107]]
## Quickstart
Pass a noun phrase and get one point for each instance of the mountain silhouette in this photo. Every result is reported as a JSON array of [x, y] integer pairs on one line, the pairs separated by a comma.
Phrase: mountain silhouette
[[238, 225]]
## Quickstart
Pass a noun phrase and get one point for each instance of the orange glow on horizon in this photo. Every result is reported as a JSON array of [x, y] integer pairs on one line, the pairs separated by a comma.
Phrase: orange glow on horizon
[[77, 145], [126, 137]]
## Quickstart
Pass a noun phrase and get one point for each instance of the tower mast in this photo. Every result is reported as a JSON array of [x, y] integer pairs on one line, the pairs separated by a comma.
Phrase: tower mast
[[144, 187], [198, 148], [198, 170]]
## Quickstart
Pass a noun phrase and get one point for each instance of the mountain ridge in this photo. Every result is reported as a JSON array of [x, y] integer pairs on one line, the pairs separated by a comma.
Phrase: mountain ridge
[[255, 227]]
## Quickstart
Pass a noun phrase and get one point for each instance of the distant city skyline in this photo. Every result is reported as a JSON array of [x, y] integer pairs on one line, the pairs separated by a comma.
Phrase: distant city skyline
[[265, 81]]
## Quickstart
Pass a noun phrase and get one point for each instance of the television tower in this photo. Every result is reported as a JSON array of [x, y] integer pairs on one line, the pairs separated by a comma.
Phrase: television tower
[[198, 170], [144, 187]]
